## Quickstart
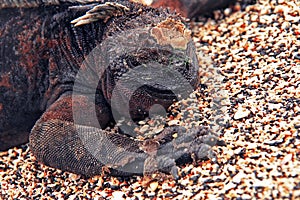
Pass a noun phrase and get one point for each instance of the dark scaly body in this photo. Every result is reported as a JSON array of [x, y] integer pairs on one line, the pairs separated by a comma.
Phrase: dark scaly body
[[40, 55], [39, 58]]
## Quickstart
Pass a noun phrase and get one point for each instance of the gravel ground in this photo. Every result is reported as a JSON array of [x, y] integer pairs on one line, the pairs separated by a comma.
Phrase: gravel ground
[[256, 88]]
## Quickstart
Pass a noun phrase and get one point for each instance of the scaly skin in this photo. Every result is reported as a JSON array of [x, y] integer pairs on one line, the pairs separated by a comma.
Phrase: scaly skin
[[41, 53]]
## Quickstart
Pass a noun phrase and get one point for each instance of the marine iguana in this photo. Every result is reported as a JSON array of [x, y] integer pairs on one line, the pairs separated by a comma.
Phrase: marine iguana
[[43, 48]]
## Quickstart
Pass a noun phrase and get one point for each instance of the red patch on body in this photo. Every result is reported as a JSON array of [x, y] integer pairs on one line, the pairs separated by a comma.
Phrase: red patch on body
[[5, 82], [29, 44]]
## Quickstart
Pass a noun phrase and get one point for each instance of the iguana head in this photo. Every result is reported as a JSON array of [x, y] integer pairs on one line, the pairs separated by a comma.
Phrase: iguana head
[[143, 60], [149, 66]]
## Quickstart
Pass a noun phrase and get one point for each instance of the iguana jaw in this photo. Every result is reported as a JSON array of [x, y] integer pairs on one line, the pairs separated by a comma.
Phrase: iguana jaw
[[148, 66]]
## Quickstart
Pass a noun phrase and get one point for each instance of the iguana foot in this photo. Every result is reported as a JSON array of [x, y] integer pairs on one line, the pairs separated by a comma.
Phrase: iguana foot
[[177, 146]]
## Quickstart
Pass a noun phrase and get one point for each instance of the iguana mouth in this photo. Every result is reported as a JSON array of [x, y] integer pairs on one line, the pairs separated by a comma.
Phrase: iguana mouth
[[160, 92], [147, 97]]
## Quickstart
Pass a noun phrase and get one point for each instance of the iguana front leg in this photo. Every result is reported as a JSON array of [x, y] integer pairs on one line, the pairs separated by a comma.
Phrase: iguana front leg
[[85, 148], [82, 148]]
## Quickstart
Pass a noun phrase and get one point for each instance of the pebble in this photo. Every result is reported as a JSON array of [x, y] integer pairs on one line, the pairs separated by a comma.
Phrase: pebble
[[144, 128], [241, 113], [173, 122], [286, 159], [238, 178], [273, 106], [159, 129], [118, 195], [153, 186], [229, 186]]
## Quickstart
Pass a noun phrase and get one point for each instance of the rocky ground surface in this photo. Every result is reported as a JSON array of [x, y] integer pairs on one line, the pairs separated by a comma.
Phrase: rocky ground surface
[[250, 88]]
